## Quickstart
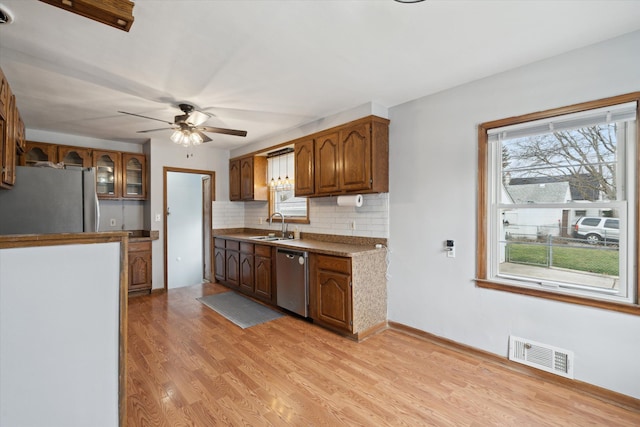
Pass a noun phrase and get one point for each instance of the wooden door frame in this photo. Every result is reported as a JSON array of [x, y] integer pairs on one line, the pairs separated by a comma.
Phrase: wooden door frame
[[165, 171]]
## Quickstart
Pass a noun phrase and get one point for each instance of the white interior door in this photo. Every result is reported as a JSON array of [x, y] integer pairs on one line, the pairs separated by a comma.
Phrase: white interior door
[[184, 229]]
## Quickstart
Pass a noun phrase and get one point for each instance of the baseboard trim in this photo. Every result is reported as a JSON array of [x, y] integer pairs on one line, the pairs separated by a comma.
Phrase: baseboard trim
[[609, 396], [361, 336]]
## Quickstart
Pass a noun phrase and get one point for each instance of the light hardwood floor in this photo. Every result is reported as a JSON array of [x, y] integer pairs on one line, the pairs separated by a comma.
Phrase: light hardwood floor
[[188, 366]]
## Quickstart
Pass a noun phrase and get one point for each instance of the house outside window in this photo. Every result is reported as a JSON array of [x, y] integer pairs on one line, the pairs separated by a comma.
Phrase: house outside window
[[558, 204], [282, 199]]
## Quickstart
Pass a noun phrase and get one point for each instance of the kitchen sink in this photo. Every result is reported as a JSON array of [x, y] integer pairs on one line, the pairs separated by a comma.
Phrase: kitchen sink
[[266, 238]]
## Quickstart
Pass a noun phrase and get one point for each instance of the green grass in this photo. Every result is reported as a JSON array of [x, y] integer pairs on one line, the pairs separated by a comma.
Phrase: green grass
[[594, 259]]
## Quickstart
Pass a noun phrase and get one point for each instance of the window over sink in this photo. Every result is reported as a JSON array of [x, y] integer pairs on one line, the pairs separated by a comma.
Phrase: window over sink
[[280, 179]]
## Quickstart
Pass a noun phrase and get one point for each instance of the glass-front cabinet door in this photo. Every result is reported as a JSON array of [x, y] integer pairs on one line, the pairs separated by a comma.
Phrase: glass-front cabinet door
[[74, 156], [107, 164], [134, 176], [36, 152]]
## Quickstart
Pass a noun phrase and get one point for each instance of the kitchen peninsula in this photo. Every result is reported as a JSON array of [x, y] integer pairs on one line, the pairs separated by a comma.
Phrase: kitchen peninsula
[[63, 323], [347, 275]]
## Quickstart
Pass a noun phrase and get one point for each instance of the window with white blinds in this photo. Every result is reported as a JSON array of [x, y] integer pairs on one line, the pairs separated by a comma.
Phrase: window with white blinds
[[558, 212]]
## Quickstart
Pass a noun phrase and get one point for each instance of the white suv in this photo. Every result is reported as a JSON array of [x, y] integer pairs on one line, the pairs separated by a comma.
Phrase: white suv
[[596, 229]]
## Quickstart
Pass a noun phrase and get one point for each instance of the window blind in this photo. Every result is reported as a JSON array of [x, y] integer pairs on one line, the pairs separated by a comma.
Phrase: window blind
[[612, 114]]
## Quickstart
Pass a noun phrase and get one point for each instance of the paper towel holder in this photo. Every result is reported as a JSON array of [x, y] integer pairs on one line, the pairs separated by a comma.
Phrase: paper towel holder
[[355, 200]]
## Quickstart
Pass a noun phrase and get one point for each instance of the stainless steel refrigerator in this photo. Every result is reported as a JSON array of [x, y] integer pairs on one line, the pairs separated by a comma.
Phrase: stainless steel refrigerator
[[49, 200]]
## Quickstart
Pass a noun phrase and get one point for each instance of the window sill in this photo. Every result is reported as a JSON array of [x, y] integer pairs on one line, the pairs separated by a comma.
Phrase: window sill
[[633, 309], [291, 220]]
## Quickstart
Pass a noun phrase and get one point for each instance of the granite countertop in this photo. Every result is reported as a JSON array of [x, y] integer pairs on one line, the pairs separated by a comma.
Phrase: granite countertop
[[311, 245]]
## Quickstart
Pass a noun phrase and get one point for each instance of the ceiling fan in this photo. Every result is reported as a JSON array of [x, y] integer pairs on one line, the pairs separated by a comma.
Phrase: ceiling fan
[[187, 127]]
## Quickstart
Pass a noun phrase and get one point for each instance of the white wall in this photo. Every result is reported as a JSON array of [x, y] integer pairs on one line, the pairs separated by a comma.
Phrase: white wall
[[81, 141], [433, 167], [165, 153], [59, 327]]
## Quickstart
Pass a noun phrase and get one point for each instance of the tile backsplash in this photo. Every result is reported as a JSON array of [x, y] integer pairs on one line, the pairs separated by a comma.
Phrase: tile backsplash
[[325, 216]]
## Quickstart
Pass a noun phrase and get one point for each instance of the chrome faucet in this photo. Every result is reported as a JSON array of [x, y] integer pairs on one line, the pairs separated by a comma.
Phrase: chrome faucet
[[284, 231]]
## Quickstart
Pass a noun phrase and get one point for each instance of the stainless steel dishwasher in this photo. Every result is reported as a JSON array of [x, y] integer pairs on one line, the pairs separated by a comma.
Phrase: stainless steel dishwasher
[[292, 281]]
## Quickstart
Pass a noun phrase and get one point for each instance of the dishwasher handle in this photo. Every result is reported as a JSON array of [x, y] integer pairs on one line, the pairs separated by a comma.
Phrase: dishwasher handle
[[291, 255]]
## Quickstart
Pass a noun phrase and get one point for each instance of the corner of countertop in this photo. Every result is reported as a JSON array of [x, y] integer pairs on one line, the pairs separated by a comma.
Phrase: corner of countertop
[[140, 235]]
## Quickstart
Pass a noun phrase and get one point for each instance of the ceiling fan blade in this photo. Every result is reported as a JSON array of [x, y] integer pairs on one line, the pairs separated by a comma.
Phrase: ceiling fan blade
[[155, 130], [223, 131], [146, 117], [204, 137]]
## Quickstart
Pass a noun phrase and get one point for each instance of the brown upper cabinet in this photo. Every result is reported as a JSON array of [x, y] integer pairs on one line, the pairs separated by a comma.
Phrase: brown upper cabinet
[[352, 158], [20, 132], [234, 180], [4, 92], [134, 180], [327, 163], [118, 175], [9, 145], [107, 164], [304, 168], [38, 152], [75, 156], [11, 134], [248, 179]]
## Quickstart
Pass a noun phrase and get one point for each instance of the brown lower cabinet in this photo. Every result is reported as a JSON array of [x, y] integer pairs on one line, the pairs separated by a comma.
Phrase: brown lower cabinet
[[245, 267], [331, 297], [263, 273], [347, 294], [219, 259], [140, 266]]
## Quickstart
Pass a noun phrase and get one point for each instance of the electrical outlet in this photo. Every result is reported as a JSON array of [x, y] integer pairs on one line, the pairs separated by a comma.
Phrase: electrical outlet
[[353, 225], [158, 217], [260, 220], [112, 222]]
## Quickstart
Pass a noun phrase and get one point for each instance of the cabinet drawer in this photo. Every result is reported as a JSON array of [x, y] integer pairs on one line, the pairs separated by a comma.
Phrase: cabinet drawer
[[139, 246], [219, 243], [234, 245], [246, 248], [333, 263], [263, 251]]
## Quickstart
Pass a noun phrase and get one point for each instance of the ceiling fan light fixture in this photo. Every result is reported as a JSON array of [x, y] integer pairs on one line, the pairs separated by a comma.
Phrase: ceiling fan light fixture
[[195, 138], [176, 137]]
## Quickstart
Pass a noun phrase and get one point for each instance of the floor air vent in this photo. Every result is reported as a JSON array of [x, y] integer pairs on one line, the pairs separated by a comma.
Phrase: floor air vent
[[542, 356]]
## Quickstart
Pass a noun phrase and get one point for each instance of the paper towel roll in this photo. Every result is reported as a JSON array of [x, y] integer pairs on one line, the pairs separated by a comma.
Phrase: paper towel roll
[[350, 200]]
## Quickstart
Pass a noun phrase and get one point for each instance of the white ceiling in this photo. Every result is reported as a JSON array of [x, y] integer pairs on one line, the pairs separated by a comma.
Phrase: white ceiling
[[267, 66]]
